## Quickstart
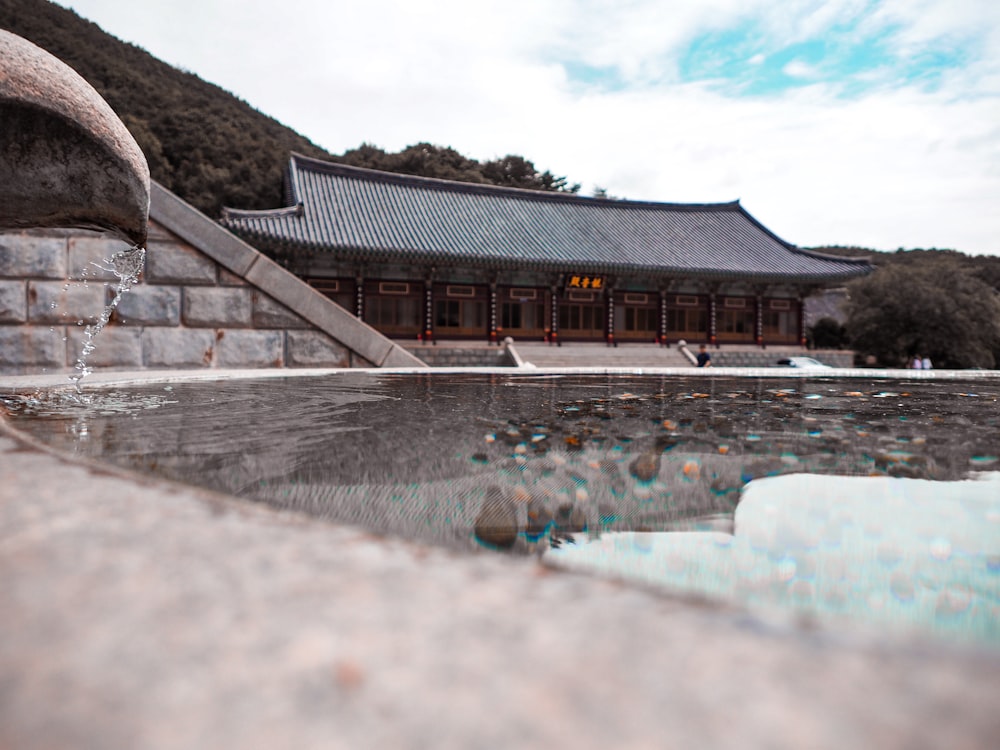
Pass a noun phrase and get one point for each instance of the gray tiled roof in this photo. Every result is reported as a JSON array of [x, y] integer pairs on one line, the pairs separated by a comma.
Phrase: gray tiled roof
[[365, 214]]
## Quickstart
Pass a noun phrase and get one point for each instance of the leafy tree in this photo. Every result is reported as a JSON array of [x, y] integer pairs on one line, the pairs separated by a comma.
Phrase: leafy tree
[[936, 309], [443, 162], [516, 171], [827, 333], [366, 155]]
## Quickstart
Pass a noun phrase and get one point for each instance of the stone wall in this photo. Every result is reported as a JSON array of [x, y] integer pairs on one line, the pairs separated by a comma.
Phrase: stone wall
[[187, 311], [443, 355], [769, 357]]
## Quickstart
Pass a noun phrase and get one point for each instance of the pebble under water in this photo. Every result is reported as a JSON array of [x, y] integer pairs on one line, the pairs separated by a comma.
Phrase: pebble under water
[[822, 494]]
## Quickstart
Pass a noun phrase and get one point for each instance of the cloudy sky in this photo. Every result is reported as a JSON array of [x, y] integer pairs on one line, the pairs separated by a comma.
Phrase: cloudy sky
[[873, 123]]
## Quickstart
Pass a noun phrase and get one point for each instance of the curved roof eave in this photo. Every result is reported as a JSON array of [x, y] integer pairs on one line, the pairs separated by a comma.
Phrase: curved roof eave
[[419, 257]]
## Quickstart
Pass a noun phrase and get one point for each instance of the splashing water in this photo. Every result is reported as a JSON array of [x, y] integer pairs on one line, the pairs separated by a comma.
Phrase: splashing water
[[126, 266]]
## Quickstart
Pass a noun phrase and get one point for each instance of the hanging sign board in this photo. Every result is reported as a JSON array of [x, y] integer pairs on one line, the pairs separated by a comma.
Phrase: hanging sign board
[[578, 281]]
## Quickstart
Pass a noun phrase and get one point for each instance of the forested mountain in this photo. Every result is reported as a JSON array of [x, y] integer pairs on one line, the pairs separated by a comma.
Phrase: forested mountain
[[205, 144], [984, 267]]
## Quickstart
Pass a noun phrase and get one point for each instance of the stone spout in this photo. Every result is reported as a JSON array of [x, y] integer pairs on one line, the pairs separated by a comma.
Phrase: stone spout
[[66, 160]]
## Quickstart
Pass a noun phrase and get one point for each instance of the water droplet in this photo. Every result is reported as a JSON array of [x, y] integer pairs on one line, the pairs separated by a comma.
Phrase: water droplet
[[940, 549], [953, 600], [785, 569], [889, 554], [901, 586]]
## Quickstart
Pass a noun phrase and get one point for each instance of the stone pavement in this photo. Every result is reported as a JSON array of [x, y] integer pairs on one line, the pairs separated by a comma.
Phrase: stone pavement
[[136, 613]]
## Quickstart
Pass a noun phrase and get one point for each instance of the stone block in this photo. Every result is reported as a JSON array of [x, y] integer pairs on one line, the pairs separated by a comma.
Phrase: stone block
[[29, 257], [89, 257], [236, 348], [113, 347], [31, 347], [170, 263], [218, 307], [397, 357], [225, 248], [228, 278], [159, 233], [178, 347], [13, 302], [315, 349], [66, 302], [146, 305], [269, 313]]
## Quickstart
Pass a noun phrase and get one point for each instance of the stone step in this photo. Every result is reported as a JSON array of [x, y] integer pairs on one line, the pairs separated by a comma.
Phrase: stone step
[[600, 355]]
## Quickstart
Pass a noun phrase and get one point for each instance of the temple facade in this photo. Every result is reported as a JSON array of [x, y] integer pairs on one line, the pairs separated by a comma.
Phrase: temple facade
[[428, 259]]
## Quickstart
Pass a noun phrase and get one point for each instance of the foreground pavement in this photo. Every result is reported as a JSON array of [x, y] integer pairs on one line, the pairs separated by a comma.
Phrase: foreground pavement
[[139, 613]]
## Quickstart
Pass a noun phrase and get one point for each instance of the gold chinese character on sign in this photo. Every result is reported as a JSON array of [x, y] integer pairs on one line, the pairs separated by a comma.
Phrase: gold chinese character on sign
[[585, 282]]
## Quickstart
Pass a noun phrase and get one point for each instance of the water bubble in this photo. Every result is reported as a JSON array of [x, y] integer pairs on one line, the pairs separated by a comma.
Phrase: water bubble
[[642, 542], [785, 569], [802, 590], [888, 553], [901, 586], [982, 460], [953, 600], [940, 549]]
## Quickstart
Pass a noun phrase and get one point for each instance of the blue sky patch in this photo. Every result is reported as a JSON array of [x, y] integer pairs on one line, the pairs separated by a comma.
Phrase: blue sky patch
[[604, 78], [743, 61], [748, 60]]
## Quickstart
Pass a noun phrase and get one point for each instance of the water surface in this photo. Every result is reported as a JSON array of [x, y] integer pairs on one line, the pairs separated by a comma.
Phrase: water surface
[[823, 494]]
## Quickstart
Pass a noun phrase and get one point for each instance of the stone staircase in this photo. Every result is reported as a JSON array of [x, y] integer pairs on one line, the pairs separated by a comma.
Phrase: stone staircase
[[599, 355], [542, 355]]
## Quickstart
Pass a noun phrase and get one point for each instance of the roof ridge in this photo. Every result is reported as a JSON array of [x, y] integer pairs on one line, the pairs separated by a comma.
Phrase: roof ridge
[[857, 261], [238, 213], [299, 162]]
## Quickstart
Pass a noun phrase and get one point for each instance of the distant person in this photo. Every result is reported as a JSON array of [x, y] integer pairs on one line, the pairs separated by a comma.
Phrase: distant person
[[917, 363], [925, 364], [704, 358]]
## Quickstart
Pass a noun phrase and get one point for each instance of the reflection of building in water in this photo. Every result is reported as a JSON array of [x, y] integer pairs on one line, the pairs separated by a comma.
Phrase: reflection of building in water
[[520, 460], [434, 259]]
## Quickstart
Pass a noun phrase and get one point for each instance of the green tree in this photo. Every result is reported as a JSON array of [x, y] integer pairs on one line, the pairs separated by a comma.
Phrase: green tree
[[443, 162], [516, 171], [937, 309], [827, 333]]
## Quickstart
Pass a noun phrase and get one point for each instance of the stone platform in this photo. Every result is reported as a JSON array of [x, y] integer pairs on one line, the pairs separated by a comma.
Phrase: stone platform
[[140, 613]]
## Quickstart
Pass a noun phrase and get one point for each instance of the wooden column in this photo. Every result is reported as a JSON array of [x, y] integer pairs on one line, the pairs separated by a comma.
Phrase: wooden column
[[712, 323], [429, 310], [493, 312], [758, 323], [802, 321], [662, 333], [554, 323], [610, 311]]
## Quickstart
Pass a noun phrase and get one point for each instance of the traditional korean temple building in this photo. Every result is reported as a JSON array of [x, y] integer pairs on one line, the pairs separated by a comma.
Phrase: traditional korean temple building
[[433, 259]]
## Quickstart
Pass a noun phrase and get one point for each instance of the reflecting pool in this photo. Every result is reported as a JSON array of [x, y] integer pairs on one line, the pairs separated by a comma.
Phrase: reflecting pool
[[871, 499]]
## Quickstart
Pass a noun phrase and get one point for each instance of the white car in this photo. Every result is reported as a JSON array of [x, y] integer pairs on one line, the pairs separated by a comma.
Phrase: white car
[[803, 363]]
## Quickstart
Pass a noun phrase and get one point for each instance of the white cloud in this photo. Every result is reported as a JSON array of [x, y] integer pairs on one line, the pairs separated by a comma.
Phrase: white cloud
[[799, 69], [904, 168]]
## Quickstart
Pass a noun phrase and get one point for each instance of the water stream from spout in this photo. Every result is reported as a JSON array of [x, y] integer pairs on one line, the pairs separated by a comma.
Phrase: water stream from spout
[[126, 266]]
